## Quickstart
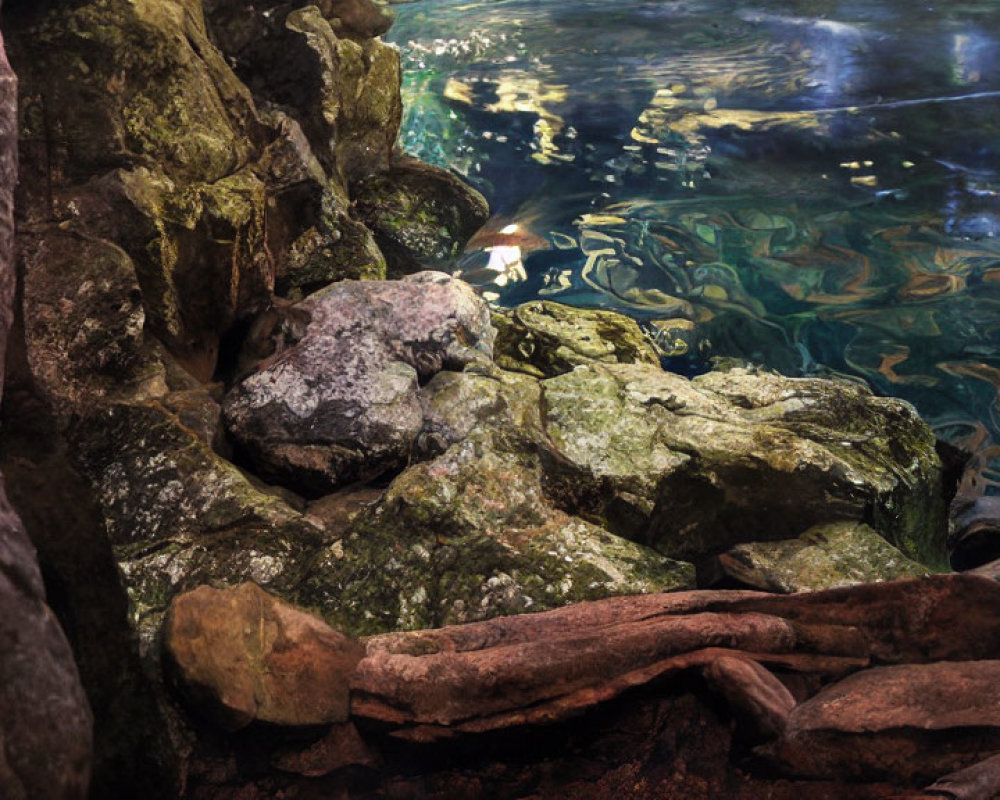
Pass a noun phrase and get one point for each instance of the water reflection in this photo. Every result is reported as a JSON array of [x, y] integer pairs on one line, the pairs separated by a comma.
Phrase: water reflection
[[808, 184]]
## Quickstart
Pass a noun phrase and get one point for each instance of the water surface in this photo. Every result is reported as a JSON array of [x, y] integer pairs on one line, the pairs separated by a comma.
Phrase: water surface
[[809, 185]]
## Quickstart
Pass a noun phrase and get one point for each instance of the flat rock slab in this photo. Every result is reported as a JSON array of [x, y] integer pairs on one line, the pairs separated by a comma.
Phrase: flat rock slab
[[909, 721], [243, 655]]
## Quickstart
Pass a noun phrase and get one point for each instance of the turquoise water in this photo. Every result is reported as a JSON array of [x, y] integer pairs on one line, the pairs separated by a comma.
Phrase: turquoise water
[[809, 185]]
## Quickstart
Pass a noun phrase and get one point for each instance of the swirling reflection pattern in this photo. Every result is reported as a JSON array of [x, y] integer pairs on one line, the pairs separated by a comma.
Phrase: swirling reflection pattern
[[811, 184]]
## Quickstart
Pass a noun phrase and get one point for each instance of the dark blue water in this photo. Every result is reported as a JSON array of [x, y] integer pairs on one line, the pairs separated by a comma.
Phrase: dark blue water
[[809, 185]]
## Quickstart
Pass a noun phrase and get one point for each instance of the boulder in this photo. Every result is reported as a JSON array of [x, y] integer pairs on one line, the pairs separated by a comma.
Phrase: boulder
[[468, 536], [83, 320], [824, 557], [546, 339], [343, 404], [46, 729], [695, 466], [911, 722], [975, 535], [241, 655], [421, 215], [178, 515]]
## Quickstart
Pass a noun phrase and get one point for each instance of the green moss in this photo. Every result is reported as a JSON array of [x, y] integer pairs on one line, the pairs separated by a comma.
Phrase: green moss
[[545, 339]]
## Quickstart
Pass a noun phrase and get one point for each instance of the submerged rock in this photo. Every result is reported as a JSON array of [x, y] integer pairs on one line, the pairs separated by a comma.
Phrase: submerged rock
[[874, 723], [824, 557], [546, 339], [421, 215], [342, 404], [178, 515]]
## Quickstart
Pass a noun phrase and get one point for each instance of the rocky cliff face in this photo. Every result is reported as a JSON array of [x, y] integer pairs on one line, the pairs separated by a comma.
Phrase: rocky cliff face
[[45, 722], [231, 368]]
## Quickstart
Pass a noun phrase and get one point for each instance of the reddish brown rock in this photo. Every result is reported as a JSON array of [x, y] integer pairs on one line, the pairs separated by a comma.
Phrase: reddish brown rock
[[908, 722], [981, 781], [242, 655], [342, 746], [942, 617], [753, 692]]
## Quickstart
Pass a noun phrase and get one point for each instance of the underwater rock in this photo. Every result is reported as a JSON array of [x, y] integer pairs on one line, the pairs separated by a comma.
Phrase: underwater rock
[[906, 722], [242, 655], [45, 722], [824, 557], [46, 727], [421, 215], [342, 403], [546, 339]]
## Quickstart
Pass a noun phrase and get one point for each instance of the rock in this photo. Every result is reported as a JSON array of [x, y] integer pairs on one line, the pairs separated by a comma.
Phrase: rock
[[542, 679], [421, 215], [243, 655], [342, 404], [178, 515], [975, 537], [45, 722], [356, 113], [46, 728], [83, 319], [981, 781], [694, 466], [752, 691], [546, 339], [469, 536], [952, 617], [910, 722], [341, 747], [824, 557]]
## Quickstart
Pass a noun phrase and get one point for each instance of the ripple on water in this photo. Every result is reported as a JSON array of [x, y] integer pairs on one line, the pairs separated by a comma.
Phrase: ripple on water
[[812, 185]]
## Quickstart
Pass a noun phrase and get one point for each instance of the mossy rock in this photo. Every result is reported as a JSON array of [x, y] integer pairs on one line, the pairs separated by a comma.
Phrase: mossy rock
[[545, 339], [694, 466], [470, 536], [824, 557], [178, 515], [421, 215]]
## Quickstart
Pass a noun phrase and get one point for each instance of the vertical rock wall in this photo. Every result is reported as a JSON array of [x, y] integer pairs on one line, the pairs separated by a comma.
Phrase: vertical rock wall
[[45, 723]]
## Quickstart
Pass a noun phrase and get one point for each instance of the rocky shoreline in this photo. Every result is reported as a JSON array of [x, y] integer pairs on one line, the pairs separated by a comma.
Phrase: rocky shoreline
[[304, 517]]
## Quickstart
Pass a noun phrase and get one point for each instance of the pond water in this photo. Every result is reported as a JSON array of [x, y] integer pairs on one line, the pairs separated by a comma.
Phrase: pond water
[[810, 185]]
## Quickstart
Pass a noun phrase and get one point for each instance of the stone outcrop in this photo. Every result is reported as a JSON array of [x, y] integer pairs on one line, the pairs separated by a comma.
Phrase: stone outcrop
[[873, 694], [46, 736], [546, 339], [824, 557]]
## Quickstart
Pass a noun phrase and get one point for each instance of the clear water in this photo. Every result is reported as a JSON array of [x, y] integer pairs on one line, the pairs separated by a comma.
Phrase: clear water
[[810, 185]]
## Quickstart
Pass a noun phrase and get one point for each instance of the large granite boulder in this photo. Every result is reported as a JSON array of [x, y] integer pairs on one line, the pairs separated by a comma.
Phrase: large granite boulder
[[342, 404]]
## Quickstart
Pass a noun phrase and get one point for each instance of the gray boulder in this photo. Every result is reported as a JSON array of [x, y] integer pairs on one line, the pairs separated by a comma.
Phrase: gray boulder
[[342, 404]]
